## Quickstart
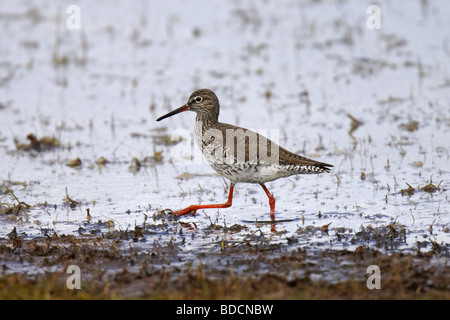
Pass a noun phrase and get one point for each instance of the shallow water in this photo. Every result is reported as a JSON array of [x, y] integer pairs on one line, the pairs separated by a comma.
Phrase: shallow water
[[296, 68]]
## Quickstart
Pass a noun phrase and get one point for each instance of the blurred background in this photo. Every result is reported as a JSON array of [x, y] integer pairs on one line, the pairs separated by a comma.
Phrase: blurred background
[[82, 82]]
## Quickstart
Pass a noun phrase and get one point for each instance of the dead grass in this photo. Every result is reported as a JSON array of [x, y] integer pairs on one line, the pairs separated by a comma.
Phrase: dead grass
[[149, 274]]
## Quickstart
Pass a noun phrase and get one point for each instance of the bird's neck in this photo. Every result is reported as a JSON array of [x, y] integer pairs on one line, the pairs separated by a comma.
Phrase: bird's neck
[[206, 121]]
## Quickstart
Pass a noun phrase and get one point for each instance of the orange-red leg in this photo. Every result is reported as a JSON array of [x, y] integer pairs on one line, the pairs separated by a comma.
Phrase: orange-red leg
[[196, 207], [271, 202]]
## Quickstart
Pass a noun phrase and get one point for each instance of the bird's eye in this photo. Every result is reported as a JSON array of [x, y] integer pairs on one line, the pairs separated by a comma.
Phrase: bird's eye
[[198, 99]]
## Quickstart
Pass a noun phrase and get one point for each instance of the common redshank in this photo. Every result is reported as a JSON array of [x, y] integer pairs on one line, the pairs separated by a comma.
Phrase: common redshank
[[239, 154]]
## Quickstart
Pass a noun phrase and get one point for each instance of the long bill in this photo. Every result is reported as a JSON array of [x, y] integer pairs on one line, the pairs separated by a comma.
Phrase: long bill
[[171, 113]]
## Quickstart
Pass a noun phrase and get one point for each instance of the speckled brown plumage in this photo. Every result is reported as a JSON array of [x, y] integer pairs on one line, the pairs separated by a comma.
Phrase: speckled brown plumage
[[240, 154]]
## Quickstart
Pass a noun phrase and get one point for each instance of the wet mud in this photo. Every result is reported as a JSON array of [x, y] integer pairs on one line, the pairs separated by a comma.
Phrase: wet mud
[[131, 264]]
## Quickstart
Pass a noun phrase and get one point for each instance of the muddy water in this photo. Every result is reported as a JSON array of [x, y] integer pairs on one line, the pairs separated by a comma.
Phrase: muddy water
[[375, 103]]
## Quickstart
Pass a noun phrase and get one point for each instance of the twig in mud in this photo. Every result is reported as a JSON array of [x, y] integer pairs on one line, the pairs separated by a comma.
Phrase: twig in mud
[[212, 224], [13, 209], [72, 203], [431, 227]]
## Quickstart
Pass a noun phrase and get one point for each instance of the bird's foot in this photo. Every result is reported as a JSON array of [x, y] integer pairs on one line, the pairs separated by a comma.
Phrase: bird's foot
[[185, 211]]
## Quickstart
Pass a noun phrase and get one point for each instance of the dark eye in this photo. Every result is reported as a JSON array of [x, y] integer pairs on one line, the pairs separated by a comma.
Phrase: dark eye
[[198, 99]]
